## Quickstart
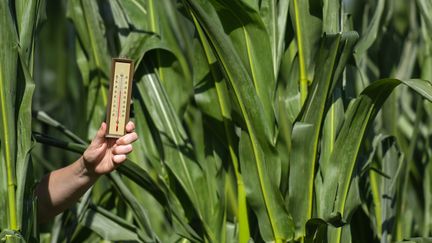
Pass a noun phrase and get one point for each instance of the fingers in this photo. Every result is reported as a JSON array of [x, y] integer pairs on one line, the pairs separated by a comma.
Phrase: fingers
[[119, 158], [130, 126], [123, 145], [119, 153], [100, 135], [94, 151], [122, 149], [127, 139]]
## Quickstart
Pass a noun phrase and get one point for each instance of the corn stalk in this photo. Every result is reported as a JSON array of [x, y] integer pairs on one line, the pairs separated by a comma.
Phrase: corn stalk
[[258, 120]]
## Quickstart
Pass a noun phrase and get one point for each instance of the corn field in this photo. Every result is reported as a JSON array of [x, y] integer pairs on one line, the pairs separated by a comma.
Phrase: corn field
[[259, 120]]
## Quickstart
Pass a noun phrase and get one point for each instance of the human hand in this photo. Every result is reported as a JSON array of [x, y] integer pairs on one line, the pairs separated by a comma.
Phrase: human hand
[[104, 154]]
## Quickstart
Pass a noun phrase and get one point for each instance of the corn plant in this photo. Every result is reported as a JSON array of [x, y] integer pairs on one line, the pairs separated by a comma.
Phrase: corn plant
[[262, 121], [19, 21]]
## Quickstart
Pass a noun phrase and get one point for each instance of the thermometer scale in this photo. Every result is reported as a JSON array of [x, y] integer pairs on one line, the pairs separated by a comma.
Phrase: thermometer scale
[[120, 96]]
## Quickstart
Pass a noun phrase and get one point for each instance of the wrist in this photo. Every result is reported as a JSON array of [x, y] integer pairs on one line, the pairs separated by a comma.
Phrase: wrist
[[83, 171]]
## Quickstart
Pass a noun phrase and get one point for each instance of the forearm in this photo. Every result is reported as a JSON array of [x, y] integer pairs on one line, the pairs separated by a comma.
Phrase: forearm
[[60, 189]]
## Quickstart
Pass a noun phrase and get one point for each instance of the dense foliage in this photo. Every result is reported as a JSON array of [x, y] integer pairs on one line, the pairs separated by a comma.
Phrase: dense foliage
[[261, 120]]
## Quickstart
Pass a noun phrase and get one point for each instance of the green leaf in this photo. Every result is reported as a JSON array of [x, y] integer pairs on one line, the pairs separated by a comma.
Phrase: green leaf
[[427, 182], [210, 154], [109, 226], [417, 240], [91, 32], [24, 172], [172, 67], [384, 187], [337, 176], [43, 117], [141, 177], [251, 43], [213, 89], [303, 158], [116, 23], [236, 74], [135, 10], [137, 209], [370, 33], [268, 204], [160, 192], [10, 236], [274, 15], [332, 16], [425, 7], [261, 189], [176, 148], [307, 31], [8, 111]]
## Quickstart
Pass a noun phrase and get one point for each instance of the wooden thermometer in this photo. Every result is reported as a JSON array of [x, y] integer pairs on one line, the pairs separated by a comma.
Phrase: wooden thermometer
[[119, 97]]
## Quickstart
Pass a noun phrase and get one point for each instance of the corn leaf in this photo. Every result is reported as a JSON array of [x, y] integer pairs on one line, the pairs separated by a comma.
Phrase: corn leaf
[[268, 222], [332, 16], [274, 15], [109, 226], [384, 186], [262, 193], [137, 209], [305, 153], [236, 73], [8, 88], [358, 116], [212, 89], [307, 31], [370, 34], [90, 28], [251, 43], [417, 240], [176, 149]]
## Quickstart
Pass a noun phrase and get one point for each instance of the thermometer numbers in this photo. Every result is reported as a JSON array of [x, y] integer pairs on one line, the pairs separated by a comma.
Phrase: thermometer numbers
[[120, 93]]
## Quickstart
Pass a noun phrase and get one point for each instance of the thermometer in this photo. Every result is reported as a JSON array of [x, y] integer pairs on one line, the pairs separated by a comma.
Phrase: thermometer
[[120, 97]]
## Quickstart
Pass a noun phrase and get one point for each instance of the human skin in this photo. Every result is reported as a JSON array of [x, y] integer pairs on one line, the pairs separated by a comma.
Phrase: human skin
[[61, 189]]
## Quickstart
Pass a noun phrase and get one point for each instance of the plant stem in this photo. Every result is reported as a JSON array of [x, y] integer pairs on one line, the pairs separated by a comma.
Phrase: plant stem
[[302, 65], [8, 160]]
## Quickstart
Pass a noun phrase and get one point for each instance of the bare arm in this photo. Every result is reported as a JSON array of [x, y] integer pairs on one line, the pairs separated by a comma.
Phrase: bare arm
[[62, 188]]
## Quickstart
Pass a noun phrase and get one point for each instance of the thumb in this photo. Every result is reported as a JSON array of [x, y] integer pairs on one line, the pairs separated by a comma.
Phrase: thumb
[[100, 135]]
